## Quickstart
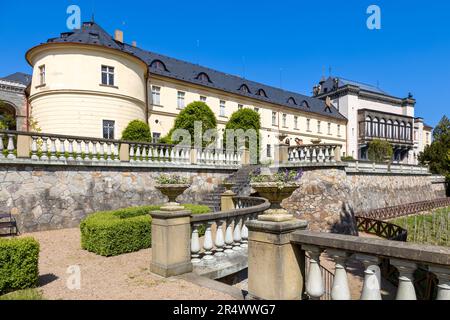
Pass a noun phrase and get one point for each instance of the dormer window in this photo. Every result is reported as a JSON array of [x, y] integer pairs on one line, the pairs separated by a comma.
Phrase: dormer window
[[291, 101], [244, 89], [305, 104], [261, 93], [203, 77], [159, 65]]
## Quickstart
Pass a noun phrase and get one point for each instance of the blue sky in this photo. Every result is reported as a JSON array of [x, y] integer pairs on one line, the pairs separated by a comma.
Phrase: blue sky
[[287, 43]]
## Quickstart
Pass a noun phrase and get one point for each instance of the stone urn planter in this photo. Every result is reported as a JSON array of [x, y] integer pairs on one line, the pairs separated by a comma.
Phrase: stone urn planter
[[275, 193], [228, 185], [172, 191]]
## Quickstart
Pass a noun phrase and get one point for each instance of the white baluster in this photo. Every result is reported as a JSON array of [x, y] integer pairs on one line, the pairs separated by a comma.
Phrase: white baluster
[[208, 242], [220, 240], [144, 153], [108, 151], [116, 152], [340, 289], [138, 153], [327, 154], [443, 276], [237, 234], [314, 282], [308, 155], [229, 237], [44, 156], [34, 150], [244, 233], [70, 158], [160, 155], [87, 150], [79, 158], [199, 157], [332, 154], [314, 155], [94, 151], [302, 154], [150, 154], [174, 156], [371, 286], [53, 156], [102, 151], [62, 149], [131, 152], [405, 290], [195, 244], [320, 156]]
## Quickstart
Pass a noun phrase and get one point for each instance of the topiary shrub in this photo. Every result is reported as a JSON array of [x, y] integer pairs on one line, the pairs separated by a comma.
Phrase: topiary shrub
[[195, 111], [379, 150], [111, 233], [19, 267], [138, 131], [245, 119]]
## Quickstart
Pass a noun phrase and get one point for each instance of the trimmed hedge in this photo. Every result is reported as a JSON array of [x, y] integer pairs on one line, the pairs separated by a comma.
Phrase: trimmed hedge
[[111, 233], [19, 267]]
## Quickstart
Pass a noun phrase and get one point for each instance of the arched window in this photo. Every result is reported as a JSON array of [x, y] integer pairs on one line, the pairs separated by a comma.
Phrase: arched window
[[291, 101], [203, 77], [368, 126], [159, 65], [382, 128], [305, 104], [375, 131], [396, 131], [389, 129], [403, 131], [8, 116], [408, 131], [261, 93], [244, 89]]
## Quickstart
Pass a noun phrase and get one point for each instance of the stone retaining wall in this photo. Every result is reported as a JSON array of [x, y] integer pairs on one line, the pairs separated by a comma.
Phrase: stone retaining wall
[[44, 198], [328, 198]]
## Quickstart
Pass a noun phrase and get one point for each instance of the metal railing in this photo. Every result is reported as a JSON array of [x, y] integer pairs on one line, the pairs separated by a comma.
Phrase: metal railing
[[381, 229]]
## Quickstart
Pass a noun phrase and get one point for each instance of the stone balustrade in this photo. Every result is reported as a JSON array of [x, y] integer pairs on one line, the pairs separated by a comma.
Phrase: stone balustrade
[[301, 251], [315, 153], [372, 167], [231, 233], [62, 149]]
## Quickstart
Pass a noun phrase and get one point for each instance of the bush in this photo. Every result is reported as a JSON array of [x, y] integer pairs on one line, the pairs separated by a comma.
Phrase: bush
[[19, 267], [380, 150], [196, 111], [111, 233], [245, 119], [138, 131], [347, 158]]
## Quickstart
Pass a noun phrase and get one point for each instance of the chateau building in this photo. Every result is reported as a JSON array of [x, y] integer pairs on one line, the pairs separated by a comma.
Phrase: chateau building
[[89, 83], [13, 100], [375, 114]]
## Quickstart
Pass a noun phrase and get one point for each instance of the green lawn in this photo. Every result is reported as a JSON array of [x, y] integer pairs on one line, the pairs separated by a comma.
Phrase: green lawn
[[28, 294], [433, 228]]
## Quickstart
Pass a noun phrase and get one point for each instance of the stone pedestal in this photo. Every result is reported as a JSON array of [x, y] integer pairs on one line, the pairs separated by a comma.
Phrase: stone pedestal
[[275, 266], [281, 153], [23, 146], [226, 201], [171, 254]]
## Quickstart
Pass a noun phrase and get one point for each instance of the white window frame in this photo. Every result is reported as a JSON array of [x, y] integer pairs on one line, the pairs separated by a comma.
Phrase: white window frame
[[274, 118], [329, 128], [42, 75], [296, 122], [319, 124], [156, 95], [308, 125], [284, 120], [105, 124], [181, 100], [222, 107], [110, 71], [203, 98]]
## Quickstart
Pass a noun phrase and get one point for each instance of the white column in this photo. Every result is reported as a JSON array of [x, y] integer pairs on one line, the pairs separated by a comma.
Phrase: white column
[[244, 233], [237, 234], [70, 158], [44, 149], [34, 150], [195, 244], [220, 241], [208, 242], [53, 149], [62, 150], [443, 275], [371, 286], [11, 147], [340, 289], [314, 281], [405, 290], [229, 237]]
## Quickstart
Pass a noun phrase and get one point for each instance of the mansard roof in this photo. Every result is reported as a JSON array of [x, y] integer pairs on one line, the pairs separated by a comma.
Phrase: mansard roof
[[92, 33]]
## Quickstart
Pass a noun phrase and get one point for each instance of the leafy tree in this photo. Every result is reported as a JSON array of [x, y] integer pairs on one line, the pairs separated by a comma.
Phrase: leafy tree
[[244, 119], [196, 111], [138, 131], [379, 150]]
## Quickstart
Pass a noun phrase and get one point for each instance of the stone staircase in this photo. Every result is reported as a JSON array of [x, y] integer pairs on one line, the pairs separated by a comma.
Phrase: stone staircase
[[241, 180]]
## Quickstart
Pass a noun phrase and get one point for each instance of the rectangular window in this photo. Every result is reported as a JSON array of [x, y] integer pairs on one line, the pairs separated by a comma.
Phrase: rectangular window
[[155, 137], [222, 108], [428, 138], [269, 151], [108, 129], [295, 122], [181, 103], [308, 124], [256, 109], [274, 118], [318, 126], [339, 130], [156, 95], [240, 106], [108, 76], [284, 120], [202, 98], [329, 128], [42, 75]]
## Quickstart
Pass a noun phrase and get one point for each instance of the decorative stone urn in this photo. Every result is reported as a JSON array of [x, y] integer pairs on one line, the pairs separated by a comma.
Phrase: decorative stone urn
[[172, 191], [275, 193], [316, 141], [228, 185]]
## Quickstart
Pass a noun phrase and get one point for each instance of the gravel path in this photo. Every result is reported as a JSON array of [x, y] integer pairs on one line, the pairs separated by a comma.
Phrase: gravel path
[[116, 278]]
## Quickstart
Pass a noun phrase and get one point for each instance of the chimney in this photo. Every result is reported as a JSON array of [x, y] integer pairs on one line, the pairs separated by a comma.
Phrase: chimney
[[134, 44], [118, 36]]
